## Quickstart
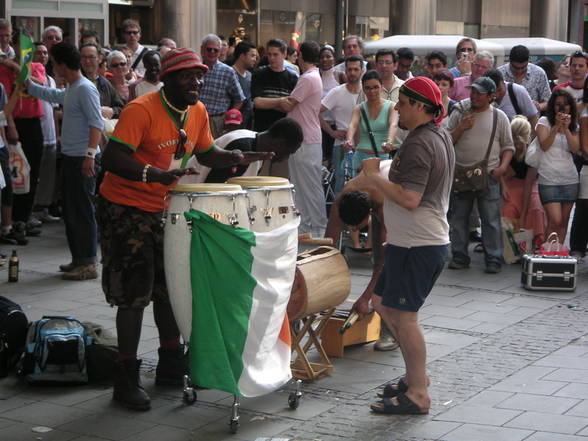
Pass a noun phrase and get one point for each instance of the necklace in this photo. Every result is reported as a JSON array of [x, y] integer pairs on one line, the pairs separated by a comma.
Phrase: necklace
[[175, 109]]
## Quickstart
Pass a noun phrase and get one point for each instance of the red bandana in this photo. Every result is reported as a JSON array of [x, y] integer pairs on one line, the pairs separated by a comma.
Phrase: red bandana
[[425, 90]]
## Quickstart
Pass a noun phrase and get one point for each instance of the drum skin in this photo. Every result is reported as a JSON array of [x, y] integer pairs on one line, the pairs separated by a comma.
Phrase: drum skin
[[217, 200], [322, 281]]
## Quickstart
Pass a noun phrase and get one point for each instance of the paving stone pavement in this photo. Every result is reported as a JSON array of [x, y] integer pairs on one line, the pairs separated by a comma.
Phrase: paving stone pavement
[[505, 364]]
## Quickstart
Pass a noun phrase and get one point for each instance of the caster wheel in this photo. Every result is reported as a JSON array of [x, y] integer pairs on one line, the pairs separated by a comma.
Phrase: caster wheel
[[293, 401], [234, 426], [190, 396]]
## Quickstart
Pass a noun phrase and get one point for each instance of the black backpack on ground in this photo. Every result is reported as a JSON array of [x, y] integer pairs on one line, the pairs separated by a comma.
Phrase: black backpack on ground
[[13, 334]]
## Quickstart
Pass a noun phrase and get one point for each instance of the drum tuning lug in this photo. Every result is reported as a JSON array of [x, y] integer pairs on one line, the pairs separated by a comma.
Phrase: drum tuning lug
[[174, 218], [267, 215], [295, 211], [233, 220]]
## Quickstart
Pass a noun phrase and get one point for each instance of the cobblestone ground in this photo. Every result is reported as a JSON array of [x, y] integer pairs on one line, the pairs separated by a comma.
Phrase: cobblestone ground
[[505, 364]]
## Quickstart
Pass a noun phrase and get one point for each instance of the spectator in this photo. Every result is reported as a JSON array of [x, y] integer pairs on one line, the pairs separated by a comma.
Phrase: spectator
[[383, 121], [245, 56], [444, 80], [303, 105], [165, 45], [435, 60], [51, 35], [352, 45], [131, 30], [110, 102], [118, 67], [291, 60], [469, 124], [47, 174], [464, 55], [579, 232], [89, 36], [269, 84], [5, 39], [340, 102], [520, 192], [23, 114], [559, 139], [563, 71], [386, 65], [513, 99], [150, 82], [131, 75], [483, 62], [578, 72], [80, 135], [548, 67], [221, 90], [405, 60], [330, 80], [531, 77], [224, 47]]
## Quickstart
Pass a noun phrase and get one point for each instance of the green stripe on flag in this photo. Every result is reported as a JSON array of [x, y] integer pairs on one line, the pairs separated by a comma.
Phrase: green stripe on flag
[[27, 49], [222, 289]]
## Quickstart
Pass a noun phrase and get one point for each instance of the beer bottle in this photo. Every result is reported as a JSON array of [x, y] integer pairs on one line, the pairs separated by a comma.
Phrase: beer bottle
[[13, 267]]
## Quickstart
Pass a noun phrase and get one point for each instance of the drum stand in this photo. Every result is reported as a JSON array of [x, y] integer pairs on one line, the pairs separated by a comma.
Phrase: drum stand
[[302, 367]]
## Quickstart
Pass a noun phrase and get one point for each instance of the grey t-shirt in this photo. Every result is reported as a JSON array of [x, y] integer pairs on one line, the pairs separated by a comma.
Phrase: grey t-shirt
[[473, 143], [424, 164]]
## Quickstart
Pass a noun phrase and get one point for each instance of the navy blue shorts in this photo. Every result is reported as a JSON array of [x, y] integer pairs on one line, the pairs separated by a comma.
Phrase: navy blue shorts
[[409, 275]]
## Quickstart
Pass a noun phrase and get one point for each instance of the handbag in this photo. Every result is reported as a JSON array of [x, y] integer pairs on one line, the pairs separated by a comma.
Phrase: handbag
[[474, 179], [19, 168], [534, 154]]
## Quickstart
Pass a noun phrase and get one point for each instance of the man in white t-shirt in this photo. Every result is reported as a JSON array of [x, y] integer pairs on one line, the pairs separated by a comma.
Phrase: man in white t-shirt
[[578, 72], [341, 101], [470, 125]]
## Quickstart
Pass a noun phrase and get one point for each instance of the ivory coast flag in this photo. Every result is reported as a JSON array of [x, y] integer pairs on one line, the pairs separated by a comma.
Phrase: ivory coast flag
[[241, 284]]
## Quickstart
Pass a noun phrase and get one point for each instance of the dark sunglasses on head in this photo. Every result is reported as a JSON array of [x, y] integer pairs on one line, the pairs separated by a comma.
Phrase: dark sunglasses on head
[[118, 64], [181, 147]]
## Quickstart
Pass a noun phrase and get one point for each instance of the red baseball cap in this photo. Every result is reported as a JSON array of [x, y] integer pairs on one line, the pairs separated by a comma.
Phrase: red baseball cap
[[233, 116]]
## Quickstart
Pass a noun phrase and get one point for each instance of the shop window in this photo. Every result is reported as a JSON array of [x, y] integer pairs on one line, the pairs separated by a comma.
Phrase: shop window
[[31, 25], [88, 24]]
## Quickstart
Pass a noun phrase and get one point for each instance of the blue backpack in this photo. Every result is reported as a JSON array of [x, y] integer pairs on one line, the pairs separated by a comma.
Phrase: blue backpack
[[55, 351]]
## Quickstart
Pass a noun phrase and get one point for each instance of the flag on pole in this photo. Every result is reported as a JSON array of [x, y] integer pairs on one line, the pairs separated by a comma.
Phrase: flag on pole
[[27, 49], [241, 283]]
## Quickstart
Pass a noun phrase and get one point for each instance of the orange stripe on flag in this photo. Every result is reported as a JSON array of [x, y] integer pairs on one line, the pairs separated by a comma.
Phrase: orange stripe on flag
[[285, 332]]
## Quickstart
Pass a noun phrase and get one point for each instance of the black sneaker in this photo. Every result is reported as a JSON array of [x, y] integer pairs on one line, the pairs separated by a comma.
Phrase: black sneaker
[[171, 367], [14, 237], [493, 268]]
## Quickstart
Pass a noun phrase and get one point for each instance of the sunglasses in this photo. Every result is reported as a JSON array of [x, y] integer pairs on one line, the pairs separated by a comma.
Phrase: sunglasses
[[466, 49], [181, 147], [132, 32], [114, 65], [212, 49]]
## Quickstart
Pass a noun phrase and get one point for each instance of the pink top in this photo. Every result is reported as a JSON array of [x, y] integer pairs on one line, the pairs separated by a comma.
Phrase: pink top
[[308, 92], [461, 88]]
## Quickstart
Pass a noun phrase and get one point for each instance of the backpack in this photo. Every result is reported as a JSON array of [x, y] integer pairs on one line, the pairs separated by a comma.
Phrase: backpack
[[13, 332], [55, 351]]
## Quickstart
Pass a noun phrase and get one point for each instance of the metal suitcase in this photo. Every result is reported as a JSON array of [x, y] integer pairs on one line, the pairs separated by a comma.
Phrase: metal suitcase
[[549, 273]]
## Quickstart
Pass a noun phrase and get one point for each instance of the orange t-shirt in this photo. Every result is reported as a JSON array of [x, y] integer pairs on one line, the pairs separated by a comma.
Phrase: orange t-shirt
[[146, 127]]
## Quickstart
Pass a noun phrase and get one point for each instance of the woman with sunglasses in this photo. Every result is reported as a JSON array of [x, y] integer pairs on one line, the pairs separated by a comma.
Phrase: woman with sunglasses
[[118, 67], [383, 120], [559, 140]]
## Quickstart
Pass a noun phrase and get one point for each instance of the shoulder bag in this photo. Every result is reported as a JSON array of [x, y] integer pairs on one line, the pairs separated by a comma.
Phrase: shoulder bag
[[473, 179], [366, 120]]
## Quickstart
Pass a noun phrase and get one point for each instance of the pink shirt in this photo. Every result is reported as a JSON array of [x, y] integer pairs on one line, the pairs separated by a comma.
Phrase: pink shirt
[[308, 92], [461, 88]]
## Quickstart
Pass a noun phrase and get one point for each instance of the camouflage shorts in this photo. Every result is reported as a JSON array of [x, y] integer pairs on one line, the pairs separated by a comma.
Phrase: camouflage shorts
[[131, 242]]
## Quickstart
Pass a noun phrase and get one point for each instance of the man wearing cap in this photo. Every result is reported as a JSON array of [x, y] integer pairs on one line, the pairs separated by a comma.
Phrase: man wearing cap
[[233, 121], [155, 136], [471, 127], [416, 200]]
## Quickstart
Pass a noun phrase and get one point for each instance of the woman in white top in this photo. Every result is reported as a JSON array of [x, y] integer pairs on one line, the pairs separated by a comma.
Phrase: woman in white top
[[558, 178]]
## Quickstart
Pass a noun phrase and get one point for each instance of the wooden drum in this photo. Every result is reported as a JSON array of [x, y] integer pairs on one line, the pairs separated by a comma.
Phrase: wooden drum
[[322, 281]]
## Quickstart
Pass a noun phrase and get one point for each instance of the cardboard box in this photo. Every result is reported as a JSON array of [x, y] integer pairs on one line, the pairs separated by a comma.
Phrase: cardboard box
[[362, 331]]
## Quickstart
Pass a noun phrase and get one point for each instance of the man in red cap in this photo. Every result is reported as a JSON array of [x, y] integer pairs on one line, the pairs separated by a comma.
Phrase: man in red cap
[[416, 200], [154, 137]]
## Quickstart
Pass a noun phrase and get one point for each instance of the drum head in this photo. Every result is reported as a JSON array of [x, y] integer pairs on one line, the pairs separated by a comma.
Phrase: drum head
[[205, 188], [259, 181]]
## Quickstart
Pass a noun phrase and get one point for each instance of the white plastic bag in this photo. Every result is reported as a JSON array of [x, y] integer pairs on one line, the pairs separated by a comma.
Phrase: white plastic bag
[[20, 170]]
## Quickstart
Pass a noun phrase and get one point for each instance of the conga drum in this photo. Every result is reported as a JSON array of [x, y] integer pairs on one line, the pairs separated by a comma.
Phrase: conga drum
[[224, 202], [270, 199], [321, 282]]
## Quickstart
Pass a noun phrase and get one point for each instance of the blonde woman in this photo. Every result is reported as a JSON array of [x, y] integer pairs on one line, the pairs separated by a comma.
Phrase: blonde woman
[[520, 191]]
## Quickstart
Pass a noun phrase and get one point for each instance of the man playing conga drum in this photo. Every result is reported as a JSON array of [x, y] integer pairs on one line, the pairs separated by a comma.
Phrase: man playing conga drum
[[154, 137], [416, 202]]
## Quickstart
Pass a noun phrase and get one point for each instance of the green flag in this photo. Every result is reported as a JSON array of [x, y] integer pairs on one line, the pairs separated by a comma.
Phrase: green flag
[[27, 49]]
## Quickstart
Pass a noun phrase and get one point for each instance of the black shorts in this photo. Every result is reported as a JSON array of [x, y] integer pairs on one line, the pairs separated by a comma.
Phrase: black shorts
[[409, 275], [131, 242]]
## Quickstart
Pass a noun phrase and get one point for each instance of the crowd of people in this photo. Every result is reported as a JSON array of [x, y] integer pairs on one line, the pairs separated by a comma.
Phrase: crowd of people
[[303, 114]]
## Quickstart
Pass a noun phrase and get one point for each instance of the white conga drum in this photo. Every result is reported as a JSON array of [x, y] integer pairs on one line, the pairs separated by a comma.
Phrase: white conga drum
[[224, 202], [270, 199]]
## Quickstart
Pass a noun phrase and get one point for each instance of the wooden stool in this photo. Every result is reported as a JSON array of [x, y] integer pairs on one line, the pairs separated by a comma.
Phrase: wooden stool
[[362, 331]]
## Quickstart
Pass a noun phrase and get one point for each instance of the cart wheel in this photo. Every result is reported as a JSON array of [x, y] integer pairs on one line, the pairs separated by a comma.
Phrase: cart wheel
[[234, 425], [293, 401], [190, 396]]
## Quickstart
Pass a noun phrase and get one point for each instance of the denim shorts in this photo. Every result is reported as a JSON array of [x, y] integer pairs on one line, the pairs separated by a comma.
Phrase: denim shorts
[[409, 275], [558, 193]]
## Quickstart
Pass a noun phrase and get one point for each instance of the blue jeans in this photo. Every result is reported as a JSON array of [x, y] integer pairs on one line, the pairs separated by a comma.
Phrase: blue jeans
[[459, 221], [79, 213], [343, 164]]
